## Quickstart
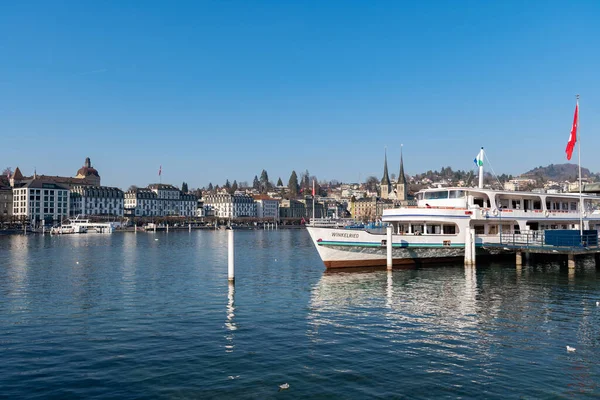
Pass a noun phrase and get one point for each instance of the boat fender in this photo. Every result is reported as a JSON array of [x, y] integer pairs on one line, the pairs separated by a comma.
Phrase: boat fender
[[546, 213], [495, 212]]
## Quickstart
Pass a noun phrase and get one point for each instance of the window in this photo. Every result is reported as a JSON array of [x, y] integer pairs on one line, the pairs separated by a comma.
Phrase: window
[[450, 229]]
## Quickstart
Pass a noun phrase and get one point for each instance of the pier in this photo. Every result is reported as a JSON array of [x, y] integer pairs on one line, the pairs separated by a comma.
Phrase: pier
[[553, 243]]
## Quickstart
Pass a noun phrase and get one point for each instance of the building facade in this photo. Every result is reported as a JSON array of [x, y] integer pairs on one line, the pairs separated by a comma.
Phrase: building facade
[[226, 205], [266, 207], [140, 203], [41, 200], [159, 200], [292, 209], [6, 202], [96, 200]]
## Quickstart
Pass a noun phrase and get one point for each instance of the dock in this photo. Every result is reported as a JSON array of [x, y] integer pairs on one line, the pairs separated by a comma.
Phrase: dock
[[560, 243]]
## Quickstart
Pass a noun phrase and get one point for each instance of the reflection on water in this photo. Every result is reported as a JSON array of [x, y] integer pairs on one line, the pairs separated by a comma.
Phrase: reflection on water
[[230, 325], [128, 316], [488, 323]]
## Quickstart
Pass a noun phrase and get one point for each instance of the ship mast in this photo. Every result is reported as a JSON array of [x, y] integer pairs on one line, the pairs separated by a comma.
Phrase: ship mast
[[480, 164]]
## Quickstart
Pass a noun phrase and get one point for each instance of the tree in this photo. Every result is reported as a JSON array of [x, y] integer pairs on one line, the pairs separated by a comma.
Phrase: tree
[[305, 184], [184, 187], [264, 181], [7, 171], [279, 183], [227, 184], [210, 187], [132, 188], [234, 187], [371, 183], [255, 183], [293, 185], [197, 193]]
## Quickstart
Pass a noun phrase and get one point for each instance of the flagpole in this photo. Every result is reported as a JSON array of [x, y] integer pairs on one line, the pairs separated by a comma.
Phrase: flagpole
[[579, 162], [313, 193]]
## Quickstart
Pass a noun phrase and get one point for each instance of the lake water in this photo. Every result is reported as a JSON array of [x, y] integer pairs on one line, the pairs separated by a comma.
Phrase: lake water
[[129, 317]]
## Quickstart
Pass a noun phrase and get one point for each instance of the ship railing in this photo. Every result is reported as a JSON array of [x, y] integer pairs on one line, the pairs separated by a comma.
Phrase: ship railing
[[566, 238]]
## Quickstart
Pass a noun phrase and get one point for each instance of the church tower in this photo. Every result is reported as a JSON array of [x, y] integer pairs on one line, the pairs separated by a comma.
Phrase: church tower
[[385, 181], [401, 189]]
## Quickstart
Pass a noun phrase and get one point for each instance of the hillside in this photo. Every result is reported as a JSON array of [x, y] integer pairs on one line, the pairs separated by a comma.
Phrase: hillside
[[558, 172]]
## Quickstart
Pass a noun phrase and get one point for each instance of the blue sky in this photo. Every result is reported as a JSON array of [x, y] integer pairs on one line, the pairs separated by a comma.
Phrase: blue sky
[[215, 90]]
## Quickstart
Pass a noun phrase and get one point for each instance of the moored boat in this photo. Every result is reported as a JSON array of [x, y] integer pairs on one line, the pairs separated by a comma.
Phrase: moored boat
[[434, 230]]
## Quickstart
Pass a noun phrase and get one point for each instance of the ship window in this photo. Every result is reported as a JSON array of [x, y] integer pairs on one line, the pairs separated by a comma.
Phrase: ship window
[[436, 195], [537, 205], [573, 206], [417, 229], [493, 230], [457, 194], [450, 229], [479, 229]]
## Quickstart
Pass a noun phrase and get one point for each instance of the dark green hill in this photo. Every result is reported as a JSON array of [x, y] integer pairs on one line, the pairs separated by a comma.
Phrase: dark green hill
[[558, 172]]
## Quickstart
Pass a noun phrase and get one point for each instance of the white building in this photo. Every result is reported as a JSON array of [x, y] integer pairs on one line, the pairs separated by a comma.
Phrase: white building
[[141, 203], [41, 200], [266, 207], [96, 200], [160, 200], [231, 206]]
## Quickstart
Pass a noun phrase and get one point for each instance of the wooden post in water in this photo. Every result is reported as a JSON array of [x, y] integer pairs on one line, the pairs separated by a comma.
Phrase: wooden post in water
[[190, 227], [390, 261], [167, 227], [571, 261], [470, 247], [230, 261], [519, 258]]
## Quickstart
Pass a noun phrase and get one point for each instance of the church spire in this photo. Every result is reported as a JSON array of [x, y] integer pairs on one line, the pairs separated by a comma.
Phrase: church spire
[[385, 181], [401, 176], [386, 177]]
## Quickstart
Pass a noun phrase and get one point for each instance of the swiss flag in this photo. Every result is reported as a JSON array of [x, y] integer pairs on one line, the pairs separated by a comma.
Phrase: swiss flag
[[573, 136]]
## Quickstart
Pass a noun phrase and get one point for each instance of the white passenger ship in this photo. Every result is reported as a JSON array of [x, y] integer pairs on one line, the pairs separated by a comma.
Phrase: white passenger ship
[[434, 230]]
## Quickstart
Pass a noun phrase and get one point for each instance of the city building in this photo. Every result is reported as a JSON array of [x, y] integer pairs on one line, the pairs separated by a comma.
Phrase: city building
[[96, 200], [86, 176], [40, 200], [292, 209], [266, 207], [140, 202], [170, 201], [6, 200], [225, 205]]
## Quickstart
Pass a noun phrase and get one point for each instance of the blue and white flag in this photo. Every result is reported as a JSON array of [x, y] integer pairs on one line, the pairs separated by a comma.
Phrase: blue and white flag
[[478, 160]]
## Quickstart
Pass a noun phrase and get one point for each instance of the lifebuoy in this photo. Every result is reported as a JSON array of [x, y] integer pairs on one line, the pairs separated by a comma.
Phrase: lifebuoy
[[546, 213], [495, 212]]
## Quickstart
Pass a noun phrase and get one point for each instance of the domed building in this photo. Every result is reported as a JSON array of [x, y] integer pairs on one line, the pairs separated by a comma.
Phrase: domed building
[[89, 173]]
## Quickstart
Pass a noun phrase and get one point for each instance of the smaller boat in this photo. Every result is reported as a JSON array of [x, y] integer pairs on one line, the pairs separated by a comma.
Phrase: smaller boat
[[154, 227], [68, 228]]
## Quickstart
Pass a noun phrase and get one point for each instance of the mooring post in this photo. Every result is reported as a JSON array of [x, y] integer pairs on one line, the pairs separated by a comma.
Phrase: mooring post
[[473, 246], [571, 261], [167, 228], [519, 258], [154, 228], [230, 269], [469, 247], [390, 262], [190, 227]]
